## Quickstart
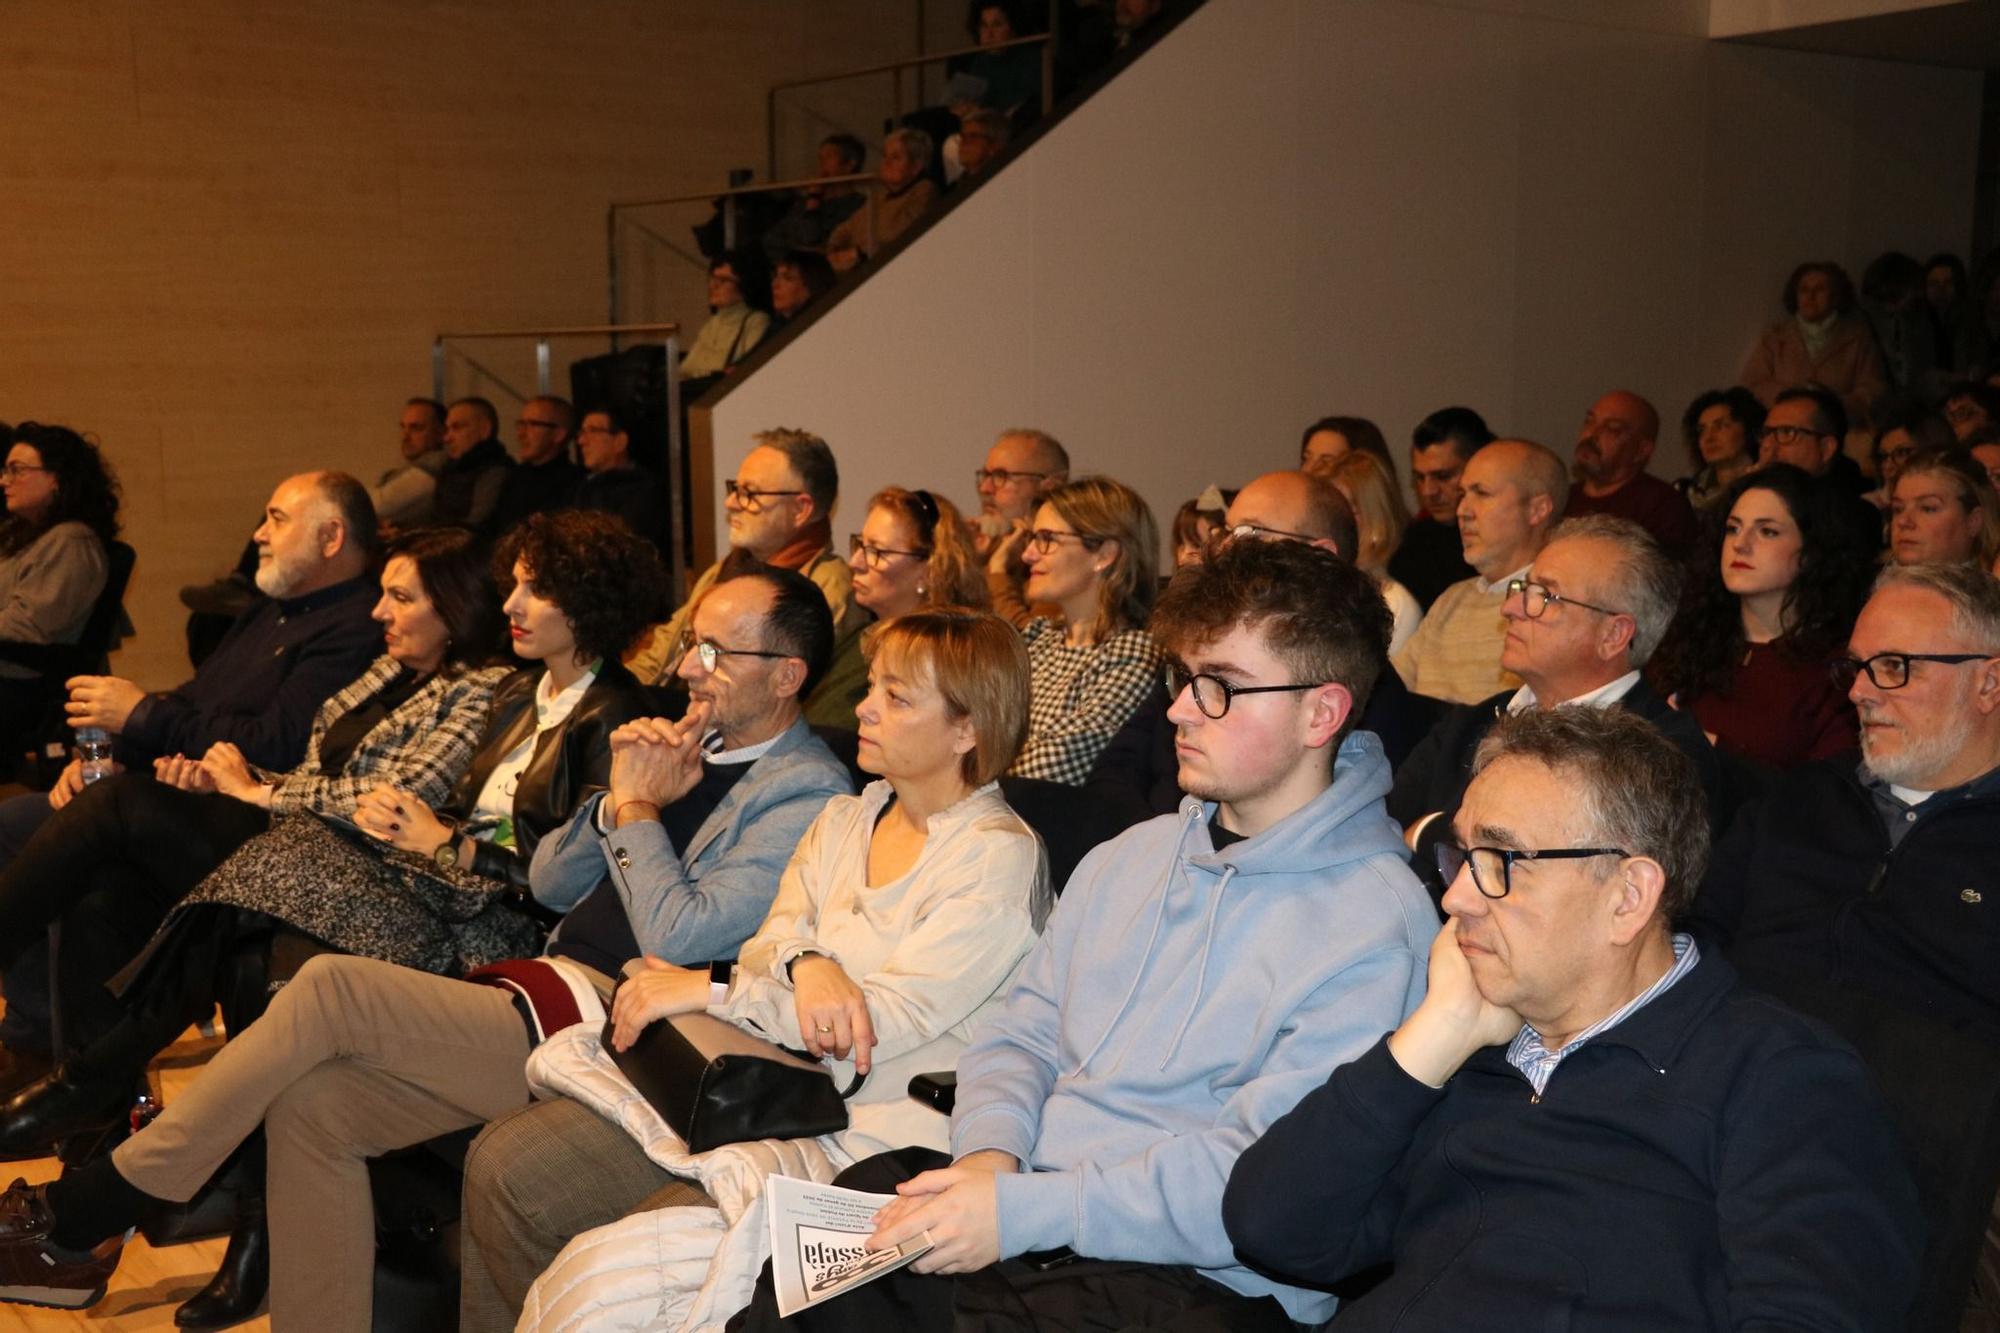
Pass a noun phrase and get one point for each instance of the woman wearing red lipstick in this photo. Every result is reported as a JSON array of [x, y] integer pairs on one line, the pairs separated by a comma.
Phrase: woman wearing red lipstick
[[1771, 600], [1942, 510]]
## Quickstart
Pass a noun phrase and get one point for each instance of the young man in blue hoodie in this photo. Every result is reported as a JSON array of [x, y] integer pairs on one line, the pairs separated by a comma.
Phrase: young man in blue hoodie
[[1203, 971]]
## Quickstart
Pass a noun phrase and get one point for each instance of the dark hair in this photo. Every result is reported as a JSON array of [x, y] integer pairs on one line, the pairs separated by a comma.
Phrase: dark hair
[[811, 461], [1744, 409], [799, 621], [451, 564], [1927, 429], [1360, 433], [607, 581], [1892, 277], [753, 278], [1463, 428], [1018, 17], [813, 271], [1836, 277], [86, 487], [851, 149], [485, 410], [1829, 416], [435, 407], [564, 409], [352, 505], [1638, 790], [1705, 642], [613, 414], [1321, 615], [1979, 392]]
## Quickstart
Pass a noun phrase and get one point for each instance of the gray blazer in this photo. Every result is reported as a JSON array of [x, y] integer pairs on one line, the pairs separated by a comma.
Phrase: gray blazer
[[703, 905]]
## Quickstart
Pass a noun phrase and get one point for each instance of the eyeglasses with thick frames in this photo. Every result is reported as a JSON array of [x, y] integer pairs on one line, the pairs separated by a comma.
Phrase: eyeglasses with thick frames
[[16, 471], [877, 557], [1213, 694], [1000, 476], [1536, 598], [1891, 671], [1788, 434], [710, 652], [750, 497], [1495, 865], [1043, 540]]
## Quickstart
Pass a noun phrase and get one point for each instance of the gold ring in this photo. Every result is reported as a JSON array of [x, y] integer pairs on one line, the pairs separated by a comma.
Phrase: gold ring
[[822, 1027]]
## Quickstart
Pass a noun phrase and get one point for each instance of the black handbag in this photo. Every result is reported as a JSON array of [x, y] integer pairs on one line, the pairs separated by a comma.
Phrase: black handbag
[[713, 1083]]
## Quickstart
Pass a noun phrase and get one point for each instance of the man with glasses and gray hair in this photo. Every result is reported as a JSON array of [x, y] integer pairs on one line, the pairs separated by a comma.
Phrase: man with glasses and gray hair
[[1874, 878], [1023, 465], [1589, 1121], [1581, 621]]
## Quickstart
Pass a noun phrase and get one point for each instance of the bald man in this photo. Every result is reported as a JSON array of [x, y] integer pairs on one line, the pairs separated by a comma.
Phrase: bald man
[[1296, 506], [1514, 493], [1612, 449]]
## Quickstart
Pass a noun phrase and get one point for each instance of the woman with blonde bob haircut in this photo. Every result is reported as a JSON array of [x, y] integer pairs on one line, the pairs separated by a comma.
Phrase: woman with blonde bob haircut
[[898, 927], [1092, 557], [1379, 511], [1942, 510]]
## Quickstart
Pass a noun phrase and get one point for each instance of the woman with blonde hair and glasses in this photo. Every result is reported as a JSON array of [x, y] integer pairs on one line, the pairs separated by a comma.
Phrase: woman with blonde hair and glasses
[[1381, 515], [1943, 511], [1092, 557]]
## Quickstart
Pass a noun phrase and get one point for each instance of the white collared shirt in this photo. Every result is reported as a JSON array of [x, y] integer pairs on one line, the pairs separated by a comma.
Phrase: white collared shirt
[[1603, 696]]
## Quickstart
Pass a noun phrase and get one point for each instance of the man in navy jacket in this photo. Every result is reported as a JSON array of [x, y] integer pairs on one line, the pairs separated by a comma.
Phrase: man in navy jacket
[[1587, 1122]]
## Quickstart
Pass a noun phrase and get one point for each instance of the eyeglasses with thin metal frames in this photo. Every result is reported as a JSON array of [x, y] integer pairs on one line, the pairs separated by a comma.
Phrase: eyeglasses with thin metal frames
[[1536, 599]]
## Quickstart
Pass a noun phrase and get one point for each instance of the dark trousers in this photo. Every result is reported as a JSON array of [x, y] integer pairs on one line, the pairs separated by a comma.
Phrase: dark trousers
[[110, 865], [1013, 1296]]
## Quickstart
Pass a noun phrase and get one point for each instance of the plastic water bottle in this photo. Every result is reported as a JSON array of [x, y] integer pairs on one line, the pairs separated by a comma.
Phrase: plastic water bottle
[[93, 751]]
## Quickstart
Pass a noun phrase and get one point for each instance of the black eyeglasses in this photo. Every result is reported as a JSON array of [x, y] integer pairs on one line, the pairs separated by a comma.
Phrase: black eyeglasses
[[876, 557], [1537, 597], [1212, 694], [749, 496], [14, 471], [1042, 540], [1788, 434], [1891, 671], [710, 652], [1495, 865], [1000, 476]]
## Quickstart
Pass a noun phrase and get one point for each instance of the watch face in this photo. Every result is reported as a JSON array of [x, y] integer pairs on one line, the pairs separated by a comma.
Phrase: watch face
[[447, 855]]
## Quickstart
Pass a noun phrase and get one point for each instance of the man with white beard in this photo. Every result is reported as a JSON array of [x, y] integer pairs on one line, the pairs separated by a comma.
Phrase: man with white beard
[[1873, 881]]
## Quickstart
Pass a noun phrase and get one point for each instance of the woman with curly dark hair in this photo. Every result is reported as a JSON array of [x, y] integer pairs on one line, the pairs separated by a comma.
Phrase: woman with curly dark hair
[[1773, 596], [62, 510], [1720, 428], [441, 891]]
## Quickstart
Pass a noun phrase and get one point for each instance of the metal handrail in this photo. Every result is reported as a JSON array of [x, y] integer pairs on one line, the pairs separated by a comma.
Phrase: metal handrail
[[682, 539], [907, 62]]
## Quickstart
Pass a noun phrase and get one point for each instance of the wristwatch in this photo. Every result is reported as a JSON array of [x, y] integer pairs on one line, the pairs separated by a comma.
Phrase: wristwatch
[[719, 973], [446, 856]]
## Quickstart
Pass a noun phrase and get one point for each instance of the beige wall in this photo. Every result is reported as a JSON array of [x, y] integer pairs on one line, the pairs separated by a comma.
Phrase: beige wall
[[1296, 207], [233, 226]]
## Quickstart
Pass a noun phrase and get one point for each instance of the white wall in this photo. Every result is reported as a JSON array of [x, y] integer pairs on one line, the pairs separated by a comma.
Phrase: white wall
[[1296, 207]]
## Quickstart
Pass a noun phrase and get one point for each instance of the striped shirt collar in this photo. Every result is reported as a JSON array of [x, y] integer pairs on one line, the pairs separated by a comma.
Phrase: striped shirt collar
[[1537, 1062]]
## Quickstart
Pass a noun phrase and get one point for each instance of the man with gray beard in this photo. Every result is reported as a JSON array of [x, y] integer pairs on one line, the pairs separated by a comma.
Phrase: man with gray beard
[[1873, 881]]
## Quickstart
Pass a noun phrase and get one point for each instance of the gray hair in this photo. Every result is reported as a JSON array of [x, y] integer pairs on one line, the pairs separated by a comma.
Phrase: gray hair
[[1644, 583], [1636, 789], [1048, 450], [811, 461], [1973, 593], [915, 142]]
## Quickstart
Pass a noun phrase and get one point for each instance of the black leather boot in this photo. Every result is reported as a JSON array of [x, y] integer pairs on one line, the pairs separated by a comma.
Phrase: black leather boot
[[236, 1292]]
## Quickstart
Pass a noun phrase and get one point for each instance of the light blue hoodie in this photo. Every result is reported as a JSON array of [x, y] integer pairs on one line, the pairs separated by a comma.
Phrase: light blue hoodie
[[1180, 1001]]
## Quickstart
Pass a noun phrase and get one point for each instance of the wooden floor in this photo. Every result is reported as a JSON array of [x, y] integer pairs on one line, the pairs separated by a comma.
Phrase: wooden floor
[[149, 1283]]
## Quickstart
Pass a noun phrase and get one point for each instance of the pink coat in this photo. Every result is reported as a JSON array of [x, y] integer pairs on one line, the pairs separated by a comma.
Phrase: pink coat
[[1850, 366]]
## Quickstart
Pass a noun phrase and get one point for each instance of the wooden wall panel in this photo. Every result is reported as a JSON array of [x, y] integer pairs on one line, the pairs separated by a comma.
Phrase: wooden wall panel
[[234, 225]]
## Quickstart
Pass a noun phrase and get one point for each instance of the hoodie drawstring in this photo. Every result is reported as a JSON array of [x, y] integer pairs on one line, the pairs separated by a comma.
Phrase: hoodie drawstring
[[1159, 918], [1201, 973]]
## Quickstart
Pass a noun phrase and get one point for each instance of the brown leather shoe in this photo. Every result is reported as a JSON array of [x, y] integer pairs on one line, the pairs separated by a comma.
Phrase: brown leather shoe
[[35, 1272]]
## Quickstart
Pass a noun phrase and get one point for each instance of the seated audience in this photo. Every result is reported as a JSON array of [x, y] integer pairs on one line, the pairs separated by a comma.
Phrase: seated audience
[[1580, 625], [905, 196], [1196, 524], [899, 925], [1200, 973], [1331, 439], [1942, 510], [1720, 428], [739, 299], [1984, 447], [1431, 557], [1023, 465], [397, 881], [1090, 558], [797, 280], [1514, 493], [811, 216], [1856, 877], [1772, 595], [1914, 345], [1970, 407], [982, 136], [543, 477], [1944, 292], [62, 509], [1805, 428], [614, 483], [132, 845], [1007, 80], [1617, 440], [356, 1058], [1370, 487], [1900, 431], [780, 509], [474, 470], [402, 497], [1824, 341], [1709, 1160], [1976, 351]]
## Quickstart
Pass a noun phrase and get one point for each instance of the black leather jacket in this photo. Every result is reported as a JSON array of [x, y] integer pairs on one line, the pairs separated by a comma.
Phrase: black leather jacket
[[572, 759]]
